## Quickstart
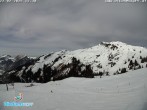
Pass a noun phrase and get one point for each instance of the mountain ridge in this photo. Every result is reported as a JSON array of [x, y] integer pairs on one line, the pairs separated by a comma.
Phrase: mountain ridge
[[107, 58]]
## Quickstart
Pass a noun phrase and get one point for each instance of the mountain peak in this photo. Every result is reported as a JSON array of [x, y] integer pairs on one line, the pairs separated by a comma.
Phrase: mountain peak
[[5, 56], [117, 43]]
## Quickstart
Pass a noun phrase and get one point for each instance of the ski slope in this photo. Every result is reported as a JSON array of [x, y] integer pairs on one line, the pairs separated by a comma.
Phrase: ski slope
[[119, 92]]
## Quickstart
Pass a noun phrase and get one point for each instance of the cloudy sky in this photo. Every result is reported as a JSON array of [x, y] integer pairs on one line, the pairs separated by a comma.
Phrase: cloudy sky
[[51, 25]]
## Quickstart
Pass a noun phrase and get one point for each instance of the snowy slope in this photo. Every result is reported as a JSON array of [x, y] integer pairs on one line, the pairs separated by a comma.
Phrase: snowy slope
[[119, 92], [107, 58], [98, 55]]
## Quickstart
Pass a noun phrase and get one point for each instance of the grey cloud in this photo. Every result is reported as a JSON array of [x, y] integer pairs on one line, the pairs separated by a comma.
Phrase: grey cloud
[[52, 25]]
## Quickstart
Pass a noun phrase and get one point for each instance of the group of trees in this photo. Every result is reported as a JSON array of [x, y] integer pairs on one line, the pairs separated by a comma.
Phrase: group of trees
[[111, 46], [42, 75], [46, 74], [76, 70], [134, 65], [73, 69], [143, 60]]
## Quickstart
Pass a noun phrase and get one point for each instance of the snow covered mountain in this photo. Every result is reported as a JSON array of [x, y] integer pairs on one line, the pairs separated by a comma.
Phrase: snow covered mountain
[[5, 62], [8, 62], [107, 58]]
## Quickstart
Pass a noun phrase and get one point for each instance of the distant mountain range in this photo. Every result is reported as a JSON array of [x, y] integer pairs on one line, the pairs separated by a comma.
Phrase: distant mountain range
[[105, 59], [8, 62]]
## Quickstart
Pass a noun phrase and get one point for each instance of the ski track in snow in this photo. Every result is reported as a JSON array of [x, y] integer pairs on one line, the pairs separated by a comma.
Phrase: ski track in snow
[[120, 92]]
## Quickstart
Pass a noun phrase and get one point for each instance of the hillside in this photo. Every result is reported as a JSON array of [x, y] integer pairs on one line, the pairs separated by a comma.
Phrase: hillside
[[107, 58]]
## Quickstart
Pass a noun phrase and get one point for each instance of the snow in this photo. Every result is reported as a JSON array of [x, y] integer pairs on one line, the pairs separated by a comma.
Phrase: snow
[[97, 55], [118, 92], [47, 61]]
